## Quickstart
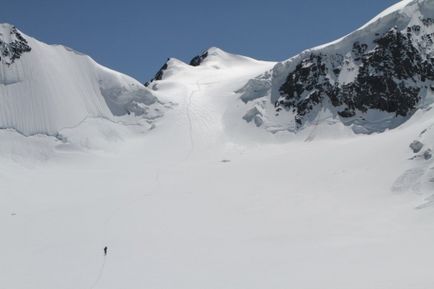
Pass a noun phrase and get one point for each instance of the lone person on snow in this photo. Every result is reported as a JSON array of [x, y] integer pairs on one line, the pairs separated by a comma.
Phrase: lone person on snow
[[105, 251]]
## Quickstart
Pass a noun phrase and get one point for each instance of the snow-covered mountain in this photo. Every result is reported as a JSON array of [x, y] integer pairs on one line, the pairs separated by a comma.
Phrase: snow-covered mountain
[[375, 79], [372, 79], [210, 198], [205, 90], [46, 88]]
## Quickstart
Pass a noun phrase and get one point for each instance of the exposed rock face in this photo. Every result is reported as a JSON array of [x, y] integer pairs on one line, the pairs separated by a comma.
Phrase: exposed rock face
[[427, 155], [416, 146], [159, 74], [197, 60], [307, 86], [12, 46], [390, 77], [373, 79]]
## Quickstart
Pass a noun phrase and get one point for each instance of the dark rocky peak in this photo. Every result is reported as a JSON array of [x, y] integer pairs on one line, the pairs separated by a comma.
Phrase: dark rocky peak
[[197, 60], [159, 75], [12, 44]]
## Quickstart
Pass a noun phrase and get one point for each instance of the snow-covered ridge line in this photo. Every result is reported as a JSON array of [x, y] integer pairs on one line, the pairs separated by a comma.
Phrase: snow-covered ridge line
[[373, 79], [212, 57], [44, 88]]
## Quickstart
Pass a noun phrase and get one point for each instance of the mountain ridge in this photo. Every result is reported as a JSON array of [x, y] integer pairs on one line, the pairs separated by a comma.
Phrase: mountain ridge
[[372, 79], [336, 78], [44, 88]]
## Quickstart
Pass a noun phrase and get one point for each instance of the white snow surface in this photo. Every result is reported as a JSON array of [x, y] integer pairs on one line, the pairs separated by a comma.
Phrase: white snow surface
[[202, 199], [400, 14], [53, 87], [206, 200]]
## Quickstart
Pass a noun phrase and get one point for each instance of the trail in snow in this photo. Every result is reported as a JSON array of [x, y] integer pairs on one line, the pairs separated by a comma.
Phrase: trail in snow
[[113, 215], [188, 113], [100, 274]]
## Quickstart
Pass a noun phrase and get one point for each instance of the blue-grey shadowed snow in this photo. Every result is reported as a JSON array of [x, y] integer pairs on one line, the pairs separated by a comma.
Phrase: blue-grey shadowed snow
[[136, 36]]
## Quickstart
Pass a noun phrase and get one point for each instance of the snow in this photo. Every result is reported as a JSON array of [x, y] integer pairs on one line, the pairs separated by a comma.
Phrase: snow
[[200, 198], [262, 92], [400, 14], [205, 200], [274, 216], [52, 87], [390, 14], [397, 8]]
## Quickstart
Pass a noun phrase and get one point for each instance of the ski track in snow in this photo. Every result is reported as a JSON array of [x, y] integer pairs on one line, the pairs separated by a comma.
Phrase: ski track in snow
[[189, 117], [112, 216], [100, 274], [190, 123]]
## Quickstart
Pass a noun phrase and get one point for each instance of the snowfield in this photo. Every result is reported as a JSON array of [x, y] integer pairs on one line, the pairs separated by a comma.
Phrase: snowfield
[[199, 202], [192, 194]]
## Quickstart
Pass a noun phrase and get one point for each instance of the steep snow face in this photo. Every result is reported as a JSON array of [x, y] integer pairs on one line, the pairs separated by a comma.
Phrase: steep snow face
[[372, 79], [45, 88], [208, 107]]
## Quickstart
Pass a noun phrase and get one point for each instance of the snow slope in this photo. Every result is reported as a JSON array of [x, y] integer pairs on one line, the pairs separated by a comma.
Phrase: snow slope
[[206, 96], [373, 79], [51, 87], [208, 200]]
